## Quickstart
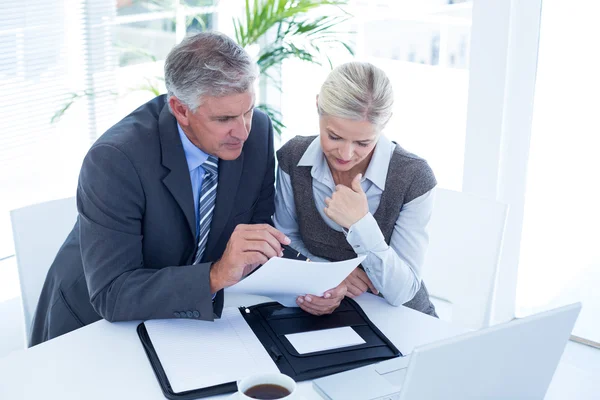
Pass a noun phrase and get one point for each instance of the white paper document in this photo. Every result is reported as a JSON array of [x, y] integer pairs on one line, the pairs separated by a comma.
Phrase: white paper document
[[324, 339], [197, 354], [283, 279]]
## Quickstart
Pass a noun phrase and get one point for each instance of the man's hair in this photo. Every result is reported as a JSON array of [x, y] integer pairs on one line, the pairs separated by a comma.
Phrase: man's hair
[[208, 64], [357, 91]]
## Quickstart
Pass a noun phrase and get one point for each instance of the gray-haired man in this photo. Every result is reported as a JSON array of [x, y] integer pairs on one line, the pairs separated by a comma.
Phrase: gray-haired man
[[175, 200]]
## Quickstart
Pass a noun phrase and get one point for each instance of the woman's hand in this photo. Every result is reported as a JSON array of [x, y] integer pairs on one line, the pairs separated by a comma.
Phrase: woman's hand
[[347, 205], [326, 304], [358, 282]]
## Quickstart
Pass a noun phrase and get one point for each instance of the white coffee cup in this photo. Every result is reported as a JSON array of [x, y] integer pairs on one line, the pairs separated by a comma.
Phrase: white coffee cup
[[267, 379]]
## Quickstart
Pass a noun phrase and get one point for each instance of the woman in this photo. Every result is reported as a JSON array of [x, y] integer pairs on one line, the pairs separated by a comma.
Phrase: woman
[[351, 191]]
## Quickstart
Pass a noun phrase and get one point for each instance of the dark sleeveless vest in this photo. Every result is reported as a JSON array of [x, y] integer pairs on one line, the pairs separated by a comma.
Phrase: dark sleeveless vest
[[408, 177]]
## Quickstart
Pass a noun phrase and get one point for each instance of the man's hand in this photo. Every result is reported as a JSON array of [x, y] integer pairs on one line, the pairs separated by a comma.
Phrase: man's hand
[[248, 247], [326, 304], [358, 282], [347, 205]]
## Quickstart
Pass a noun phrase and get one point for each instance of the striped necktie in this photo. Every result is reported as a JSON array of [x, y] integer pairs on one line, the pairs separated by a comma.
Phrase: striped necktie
[[206, 203]]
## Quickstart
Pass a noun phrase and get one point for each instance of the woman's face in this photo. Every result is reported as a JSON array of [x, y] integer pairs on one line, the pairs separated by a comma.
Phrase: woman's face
[[346, 143]]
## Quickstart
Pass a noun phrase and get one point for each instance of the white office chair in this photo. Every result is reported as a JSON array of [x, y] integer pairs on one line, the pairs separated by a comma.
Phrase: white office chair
[[39, 231], [461, 263]]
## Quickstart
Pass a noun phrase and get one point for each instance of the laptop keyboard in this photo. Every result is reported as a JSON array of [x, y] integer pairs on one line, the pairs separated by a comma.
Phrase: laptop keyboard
[[381, 381]]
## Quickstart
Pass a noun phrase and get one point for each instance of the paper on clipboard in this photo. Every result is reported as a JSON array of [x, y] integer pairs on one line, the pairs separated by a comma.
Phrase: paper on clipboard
[[283, 279], [198, 354]]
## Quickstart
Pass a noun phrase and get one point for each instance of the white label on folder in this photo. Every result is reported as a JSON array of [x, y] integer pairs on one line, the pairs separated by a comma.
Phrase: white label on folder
[[325, 339]]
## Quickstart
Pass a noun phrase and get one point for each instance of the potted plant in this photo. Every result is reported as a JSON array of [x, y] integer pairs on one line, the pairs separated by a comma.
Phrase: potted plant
[[285, 29]]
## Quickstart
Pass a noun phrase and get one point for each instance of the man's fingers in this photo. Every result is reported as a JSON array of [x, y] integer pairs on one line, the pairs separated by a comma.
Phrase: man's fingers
[[249, 227], [260, 237], [277, 234], [262, 247], [263, 235], [249, 268], [254, 257], [252, 227], [327, 200]]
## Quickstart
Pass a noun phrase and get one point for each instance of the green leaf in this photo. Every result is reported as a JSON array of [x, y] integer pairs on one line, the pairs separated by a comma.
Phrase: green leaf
[[292, 32], [73, 98], [275, 116]]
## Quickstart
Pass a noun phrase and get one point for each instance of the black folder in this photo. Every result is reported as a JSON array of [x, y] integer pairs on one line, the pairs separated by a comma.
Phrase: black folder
[[270, 322]]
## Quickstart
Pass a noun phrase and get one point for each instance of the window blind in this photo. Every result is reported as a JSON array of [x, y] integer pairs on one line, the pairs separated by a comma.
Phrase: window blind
[[51, 53]]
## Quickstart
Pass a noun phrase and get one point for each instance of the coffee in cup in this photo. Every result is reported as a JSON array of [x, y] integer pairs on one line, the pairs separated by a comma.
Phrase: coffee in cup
[[269, 386], [267, 392]]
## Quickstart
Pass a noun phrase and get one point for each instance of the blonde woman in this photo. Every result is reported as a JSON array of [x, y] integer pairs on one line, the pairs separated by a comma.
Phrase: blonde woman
[[351, 191]]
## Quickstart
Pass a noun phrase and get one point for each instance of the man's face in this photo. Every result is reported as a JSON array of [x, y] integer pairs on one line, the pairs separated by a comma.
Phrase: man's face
[[220, 125]]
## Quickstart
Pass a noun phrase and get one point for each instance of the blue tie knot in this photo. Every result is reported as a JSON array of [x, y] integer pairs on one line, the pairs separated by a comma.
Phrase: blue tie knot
[[211, 165]]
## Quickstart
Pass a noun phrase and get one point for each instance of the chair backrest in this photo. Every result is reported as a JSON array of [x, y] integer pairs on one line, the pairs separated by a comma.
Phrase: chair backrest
[[39, 231], [461, 263]]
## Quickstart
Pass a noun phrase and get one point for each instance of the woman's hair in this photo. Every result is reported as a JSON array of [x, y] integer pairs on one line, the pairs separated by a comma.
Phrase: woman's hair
[[208, 63], [358, 91]]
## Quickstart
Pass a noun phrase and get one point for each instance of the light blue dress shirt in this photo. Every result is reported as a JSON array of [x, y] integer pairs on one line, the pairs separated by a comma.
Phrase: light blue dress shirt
[[195, 158], [395, 270]]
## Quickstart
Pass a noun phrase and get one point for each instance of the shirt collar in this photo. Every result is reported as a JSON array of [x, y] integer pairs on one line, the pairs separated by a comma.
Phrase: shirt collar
[[378, 167], [314, 157], [194, 156], [376, 171]]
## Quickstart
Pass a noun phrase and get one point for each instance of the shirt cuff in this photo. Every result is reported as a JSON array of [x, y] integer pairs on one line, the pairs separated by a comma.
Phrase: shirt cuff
[[365, 235]]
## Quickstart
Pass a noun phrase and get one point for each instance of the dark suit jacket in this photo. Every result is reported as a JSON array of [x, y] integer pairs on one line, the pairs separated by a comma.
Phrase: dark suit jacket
[[129, 255]]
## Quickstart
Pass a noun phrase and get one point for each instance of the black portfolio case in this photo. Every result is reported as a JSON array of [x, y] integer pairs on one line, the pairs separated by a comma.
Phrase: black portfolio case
[[270, 322]]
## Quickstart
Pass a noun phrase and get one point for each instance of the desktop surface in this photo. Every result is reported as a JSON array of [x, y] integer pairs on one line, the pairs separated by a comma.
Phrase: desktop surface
[[106, 360]]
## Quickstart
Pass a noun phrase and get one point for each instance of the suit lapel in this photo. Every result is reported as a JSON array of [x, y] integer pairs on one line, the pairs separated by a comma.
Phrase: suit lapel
[[177, 180], [229, 178]]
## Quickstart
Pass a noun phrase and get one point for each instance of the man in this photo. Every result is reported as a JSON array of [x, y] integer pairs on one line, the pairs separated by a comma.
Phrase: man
[[174, 201]]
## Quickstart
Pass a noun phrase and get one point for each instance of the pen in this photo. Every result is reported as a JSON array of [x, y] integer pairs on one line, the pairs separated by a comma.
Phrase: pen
[[293, 251]]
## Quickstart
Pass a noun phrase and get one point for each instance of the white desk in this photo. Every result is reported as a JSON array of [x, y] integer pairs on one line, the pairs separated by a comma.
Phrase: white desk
[[107, 361]]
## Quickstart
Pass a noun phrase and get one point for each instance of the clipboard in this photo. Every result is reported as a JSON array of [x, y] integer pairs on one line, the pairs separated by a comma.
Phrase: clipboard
[[270, 322]]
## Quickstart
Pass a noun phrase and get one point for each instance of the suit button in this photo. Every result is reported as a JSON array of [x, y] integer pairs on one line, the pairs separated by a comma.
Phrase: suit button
[[196, 314], [176, 314], [189, 314]]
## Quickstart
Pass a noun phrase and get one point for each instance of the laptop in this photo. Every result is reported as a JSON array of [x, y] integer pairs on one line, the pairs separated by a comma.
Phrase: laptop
[[514, 360]]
